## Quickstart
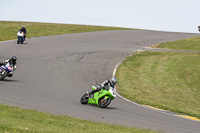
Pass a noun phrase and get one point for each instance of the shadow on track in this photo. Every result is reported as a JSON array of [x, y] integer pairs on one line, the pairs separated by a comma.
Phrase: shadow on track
[[8, 80], [23, 43], [93, 105]]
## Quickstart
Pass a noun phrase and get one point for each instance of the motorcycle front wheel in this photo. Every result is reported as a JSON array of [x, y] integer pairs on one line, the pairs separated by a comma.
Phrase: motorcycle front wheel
[[84, 99], [104, 102], [18, 41], [22, 41], [2, 76]]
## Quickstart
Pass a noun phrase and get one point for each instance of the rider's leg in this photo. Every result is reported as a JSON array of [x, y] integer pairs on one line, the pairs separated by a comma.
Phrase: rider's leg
[[91, 93]]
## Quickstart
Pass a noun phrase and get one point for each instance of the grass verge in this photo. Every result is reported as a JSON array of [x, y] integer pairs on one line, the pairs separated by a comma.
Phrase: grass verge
[[14, 119], [166, 80], [184, 44], [9, 29]]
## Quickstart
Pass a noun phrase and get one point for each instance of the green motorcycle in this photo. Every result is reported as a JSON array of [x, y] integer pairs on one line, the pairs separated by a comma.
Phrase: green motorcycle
[[101, 98]]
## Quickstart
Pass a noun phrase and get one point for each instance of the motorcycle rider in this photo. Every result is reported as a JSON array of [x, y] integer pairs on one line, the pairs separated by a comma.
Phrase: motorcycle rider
[[105, 85], [23, 29], [199, 28], [11, 61]]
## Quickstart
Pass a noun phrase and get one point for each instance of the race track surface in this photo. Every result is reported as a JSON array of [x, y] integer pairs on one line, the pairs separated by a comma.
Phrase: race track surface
[[53, 72]]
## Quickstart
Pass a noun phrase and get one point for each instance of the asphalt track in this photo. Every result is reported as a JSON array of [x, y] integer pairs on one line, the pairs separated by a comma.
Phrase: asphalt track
[[53, 72]]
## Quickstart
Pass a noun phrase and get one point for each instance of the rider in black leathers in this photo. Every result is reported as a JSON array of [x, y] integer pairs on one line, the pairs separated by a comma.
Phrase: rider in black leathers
[[23, 29], [11, 61], [105, 85]]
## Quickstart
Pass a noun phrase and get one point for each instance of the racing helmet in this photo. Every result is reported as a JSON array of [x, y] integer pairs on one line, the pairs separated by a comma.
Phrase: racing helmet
[[113, 81], [23, 27], [14, 58]]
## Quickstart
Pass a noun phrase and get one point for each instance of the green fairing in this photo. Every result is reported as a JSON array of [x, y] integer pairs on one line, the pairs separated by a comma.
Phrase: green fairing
[[100, 94]]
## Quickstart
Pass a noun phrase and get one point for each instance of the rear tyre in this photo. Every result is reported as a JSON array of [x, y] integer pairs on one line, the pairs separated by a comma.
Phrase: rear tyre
[[104, 103], [84, 99]]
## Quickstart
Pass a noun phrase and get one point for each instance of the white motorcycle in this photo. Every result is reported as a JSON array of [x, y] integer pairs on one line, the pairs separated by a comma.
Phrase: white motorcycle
[[6, 70], [20, 37]]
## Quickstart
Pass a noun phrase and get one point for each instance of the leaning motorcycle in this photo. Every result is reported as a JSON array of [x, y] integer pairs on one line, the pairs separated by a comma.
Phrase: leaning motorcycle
[[20, 37], [5, 71], [101, 98]]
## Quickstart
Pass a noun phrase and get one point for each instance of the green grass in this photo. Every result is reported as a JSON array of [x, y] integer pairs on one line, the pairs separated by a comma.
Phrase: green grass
[[14, 119], [8, 30], [166, 80], [184, 44]]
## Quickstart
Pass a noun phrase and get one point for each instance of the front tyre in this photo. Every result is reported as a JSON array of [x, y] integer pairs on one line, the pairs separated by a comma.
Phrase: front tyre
[[3, 75], [22, 40], [18, 41], [104, 102], [84, 99]]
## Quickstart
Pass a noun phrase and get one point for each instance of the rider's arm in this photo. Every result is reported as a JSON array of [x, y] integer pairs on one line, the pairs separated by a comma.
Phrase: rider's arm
[[104, 84]]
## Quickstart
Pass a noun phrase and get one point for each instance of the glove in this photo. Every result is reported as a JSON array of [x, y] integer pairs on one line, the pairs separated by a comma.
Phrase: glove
[[98, 87]]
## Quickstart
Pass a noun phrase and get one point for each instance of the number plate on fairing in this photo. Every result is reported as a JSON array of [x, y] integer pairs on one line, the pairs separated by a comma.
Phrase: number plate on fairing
[[112, 91]]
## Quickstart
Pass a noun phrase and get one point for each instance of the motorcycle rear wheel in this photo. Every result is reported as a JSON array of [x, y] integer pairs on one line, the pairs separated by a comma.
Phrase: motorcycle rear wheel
[[84, 99], [104, 103]]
